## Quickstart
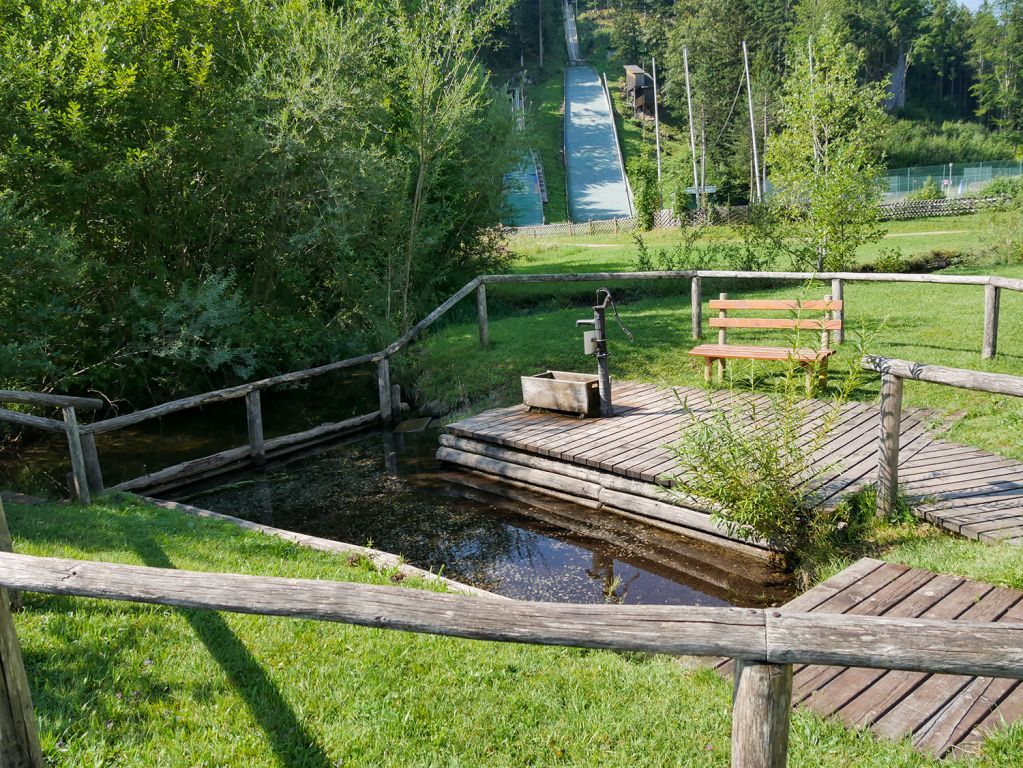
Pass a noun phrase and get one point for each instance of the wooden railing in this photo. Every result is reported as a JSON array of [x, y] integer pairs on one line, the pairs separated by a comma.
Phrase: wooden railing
[[765, 642], [88, 475], [893, 373]]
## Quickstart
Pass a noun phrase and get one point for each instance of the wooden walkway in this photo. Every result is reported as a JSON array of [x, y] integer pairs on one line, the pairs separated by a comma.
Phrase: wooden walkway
[[970, 492], [942, 713]]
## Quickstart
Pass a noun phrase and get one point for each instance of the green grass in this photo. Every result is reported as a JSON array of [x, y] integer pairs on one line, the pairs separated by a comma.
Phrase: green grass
[[532, 328], [124, 685], [545, 126]]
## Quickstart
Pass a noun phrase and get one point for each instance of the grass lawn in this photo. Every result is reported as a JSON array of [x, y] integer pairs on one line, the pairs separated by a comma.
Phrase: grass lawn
[[532, 328], [125, 685]]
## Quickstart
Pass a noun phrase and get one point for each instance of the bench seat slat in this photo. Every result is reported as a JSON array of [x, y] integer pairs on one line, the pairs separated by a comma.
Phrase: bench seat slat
[[734, 351], [774, 322], [776, 305]]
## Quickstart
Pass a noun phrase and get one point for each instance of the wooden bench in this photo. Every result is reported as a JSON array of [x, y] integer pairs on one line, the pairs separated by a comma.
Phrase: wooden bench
[[814, 361]]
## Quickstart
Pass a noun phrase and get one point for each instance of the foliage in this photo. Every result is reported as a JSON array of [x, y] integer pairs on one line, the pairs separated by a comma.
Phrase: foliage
[[760, 465], [826, 164], [647, 194], [931, 190], [907, 143], [890, 260], [267, 155], [683, 256]]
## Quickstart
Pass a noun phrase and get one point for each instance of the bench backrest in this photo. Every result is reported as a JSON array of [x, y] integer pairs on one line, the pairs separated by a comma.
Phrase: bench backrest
[[831, 319]]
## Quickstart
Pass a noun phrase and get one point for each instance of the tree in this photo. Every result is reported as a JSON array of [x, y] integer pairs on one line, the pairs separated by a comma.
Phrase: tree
[[825, 163]]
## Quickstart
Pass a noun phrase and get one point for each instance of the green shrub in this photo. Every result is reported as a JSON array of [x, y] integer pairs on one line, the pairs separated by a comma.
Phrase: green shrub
[[646, 192], [931, 190]]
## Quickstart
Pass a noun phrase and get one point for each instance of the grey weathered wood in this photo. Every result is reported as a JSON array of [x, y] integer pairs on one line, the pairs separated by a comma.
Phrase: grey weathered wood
[[868, 277], [396, 405], [384, 390], [562, 391], [254, 422], [93, 471], [74, 442], [696, 300], [7, 545], [838, 294], [992, 299], [737, 632], [760, 715], [383, 561], [28, 420], [888, 444], [433, 317], [193, 401], [195, 469], [19, 740], [996, 383], [58, 401], [481, 314]]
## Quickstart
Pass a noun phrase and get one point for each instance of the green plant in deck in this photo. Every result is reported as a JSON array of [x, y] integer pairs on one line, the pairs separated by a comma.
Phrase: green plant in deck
[[764, 467]]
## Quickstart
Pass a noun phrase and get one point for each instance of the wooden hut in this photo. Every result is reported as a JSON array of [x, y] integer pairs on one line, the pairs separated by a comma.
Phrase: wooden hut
[[640, 89]]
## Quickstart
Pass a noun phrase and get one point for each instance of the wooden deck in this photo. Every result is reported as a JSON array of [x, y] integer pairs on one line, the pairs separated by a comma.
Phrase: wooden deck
[[968, 491], [942, 713]]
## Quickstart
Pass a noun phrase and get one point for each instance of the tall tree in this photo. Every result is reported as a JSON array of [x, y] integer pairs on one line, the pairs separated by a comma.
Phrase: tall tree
[[825, 162]]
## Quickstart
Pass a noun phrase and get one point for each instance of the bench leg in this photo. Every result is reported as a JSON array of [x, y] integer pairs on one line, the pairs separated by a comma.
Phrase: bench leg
[[721, 370], [808, 370], [822, 375], [708, 368]]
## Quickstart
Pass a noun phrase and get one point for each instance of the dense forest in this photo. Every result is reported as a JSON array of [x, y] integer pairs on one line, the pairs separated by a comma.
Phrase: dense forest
[[954, 76], [202, 191]]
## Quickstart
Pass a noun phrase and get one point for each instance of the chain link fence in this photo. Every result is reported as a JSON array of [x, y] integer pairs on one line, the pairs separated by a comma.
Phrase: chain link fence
[[955, 180]]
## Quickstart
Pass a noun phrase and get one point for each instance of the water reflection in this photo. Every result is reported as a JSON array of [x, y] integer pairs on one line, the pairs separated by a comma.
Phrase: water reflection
[[389, 493]]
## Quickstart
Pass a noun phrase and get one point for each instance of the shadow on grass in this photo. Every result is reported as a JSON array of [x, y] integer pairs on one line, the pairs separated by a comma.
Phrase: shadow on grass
[[289, 738]]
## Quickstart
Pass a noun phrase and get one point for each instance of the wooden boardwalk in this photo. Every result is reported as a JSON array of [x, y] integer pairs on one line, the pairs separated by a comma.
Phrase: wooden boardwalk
[[968, 491], [942, 713]]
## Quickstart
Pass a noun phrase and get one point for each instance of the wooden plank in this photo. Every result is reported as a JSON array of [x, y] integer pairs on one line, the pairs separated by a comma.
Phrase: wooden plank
[[74, 441], [996, 383], [481, 314], [781, 305], [737, 632], [7, 545], [1007, 711], [696, 308], [741, 352], [893, 687], [254, 423], [93, 471], [774, 322], [958, 717], [918, 705], [28, 420], [760, 715], [992, 299], [56, 401]]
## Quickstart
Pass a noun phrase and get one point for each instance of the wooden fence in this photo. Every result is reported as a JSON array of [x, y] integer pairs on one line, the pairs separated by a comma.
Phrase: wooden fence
[[893, 373], [666, 218], [765, 642], [86, 466]]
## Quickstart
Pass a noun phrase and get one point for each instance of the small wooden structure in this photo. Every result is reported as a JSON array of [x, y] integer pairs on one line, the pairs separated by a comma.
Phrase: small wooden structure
[[941, 713], [813, 361], [640, 89], [562, 391]]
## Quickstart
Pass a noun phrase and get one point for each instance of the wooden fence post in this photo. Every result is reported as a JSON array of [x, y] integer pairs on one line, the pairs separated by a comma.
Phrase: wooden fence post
[[93, 472], [837, 293], [384, 390], [760, 714], [396, 403], [74, 443], [19, 740], [481, 314], [696, 300], [7, 545], [992, 299], [888, 444], [254, 420]]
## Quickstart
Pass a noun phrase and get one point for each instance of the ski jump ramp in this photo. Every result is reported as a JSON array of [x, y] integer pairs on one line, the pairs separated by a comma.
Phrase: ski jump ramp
[[597, 188]]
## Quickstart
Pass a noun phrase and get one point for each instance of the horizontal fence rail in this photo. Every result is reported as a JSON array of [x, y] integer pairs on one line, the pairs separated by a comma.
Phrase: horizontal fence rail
[[767, 642], [87, 474], [893, 372]]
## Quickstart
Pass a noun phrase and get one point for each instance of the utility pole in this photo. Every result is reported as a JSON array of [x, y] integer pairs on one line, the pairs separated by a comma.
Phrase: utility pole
[[752, 120], [692, 126], [539, 19], [657, 122]]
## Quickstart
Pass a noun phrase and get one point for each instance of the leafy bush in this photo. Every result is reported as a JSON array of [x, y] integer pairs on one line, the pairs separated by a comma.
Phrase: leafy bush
[[683, 256], [1003, 186], [930, 190], [760, 466], [890, 260], [646, 193]]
